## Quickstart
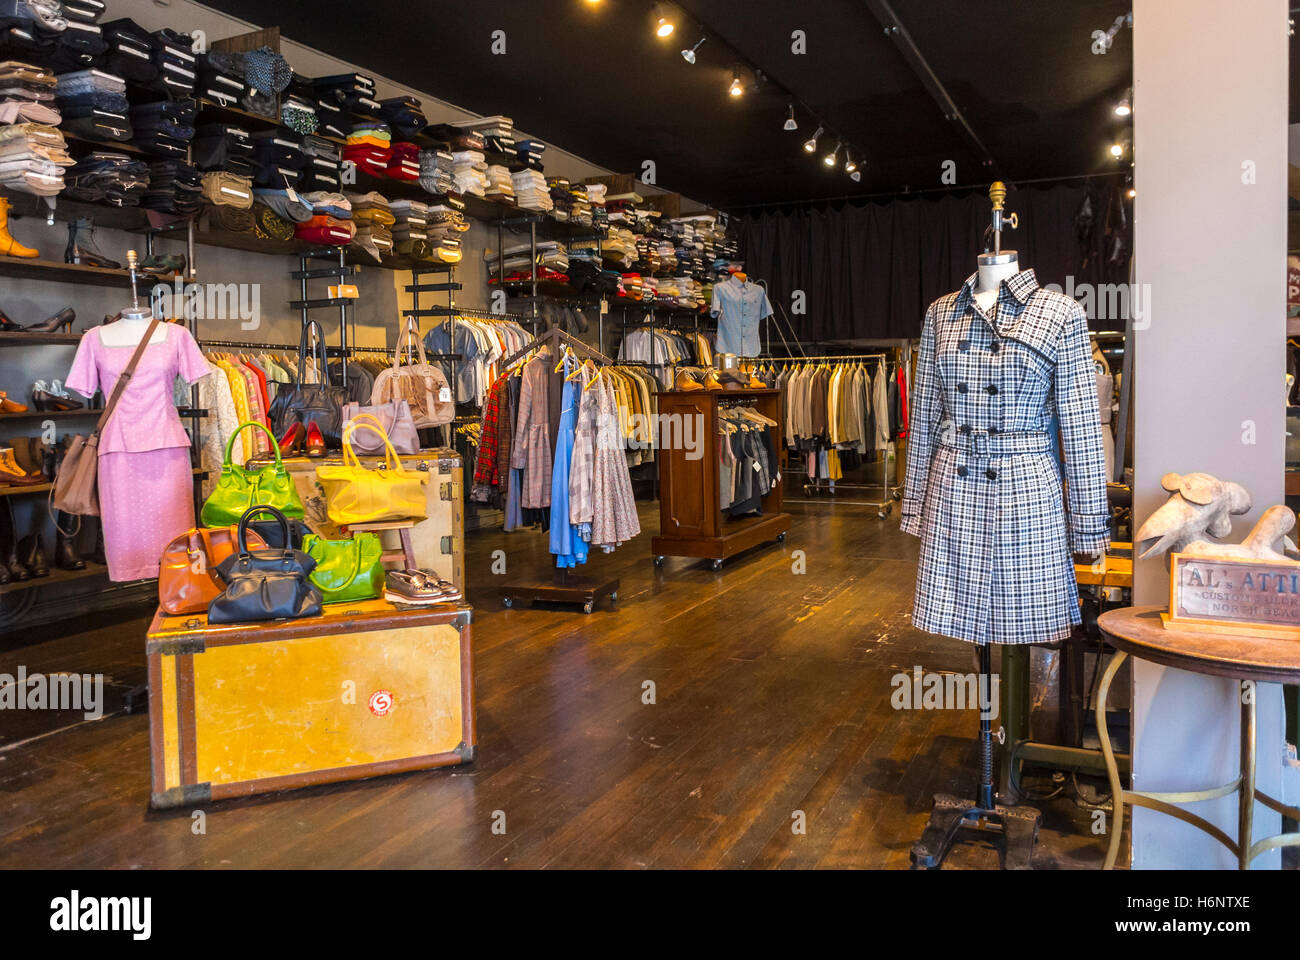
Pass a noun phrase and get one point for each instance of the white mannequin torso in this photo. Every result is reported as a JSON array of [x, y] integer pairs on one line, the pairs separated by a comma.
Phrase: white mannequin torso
[[990, 280], [128, 331]]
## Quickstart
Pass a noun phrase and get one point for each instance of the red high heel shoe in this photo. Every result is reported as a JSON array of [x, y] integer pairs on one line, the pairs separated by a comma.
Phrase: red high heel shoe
[[292, 440], [315, 441]]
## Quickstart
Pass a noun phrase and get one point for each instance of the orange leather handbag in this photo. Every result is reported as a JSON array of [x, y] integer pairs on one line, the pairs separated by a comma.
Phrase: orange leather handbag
[[187, 575]]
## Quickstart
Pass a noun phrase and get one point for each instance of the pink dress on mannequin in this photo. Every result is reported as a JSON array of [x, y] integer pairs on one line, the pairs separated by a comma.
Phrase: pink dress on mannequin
[[146, 492]]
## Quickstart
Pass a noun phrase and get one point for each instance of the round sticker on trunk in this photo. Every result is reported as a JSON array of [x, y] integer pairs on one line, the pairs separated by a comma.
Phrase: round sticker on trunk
[[381, 703]]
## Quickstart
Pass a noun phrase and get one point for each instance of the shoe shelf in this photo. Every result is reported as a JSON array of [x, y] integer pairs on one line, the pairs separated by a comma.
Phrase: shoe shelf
[[59, 272], [85, 412], [9, 338], [55, 576], [21, 489]]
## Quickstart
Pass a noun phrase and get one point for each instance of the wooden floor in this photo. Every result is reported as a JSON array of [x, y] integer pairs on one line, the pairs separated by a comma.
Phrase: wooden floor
[[772, 696]]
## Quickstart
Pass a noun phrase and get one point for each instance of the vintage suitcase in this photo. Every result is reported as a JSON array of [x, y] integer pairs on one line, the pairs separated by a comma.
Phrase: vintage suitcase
[[438, 542], [364, 690]]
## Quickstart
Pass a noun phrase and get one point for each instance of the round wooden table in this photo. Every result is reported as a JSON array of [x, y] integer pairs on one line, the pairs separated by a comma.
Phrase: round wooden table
[[1139, 632]]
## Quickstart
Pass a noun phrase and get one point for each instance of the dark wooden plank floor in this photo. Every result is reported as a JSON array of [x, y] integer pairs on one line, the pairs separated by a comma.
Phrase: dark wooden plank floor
[[772, 695]]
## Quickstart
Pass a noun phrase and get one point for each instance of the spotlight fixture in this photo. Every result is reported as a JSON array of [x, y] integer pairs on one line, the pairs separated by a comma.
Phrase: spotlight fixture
[[790, 122], [832, 158], [810, 145], [664, 25], [689, 54], [736, 88], [856, 176], [1132, 192], [1124, 107], [850, 165]]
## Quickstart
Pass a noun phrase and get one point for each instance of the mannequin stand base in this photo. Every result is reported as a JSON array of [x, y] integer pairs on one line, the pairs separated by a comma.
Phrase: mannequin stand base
[[1016, 826]]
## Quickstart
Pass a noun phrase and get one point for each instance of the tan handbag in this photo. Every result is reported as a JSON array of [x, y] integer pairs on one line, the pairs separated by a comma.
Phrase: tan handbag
[[354, 494], [76, 485], [187, 574], [422, 385]]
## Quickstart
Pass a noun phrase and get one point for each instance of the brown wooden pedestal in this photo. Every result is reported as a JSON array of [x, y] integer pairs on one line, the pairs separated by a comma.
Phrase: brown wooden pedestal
[[563, 588]]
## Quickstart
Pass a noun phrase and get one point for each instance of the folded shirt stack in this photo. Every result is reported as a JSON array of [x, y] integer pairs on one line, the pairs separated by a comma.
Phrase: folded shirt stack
[[287, 203], [340, 96], [94, 106], [369, 147], [80, 46], [500, 186], [174, 187], [437, 170], [411, 222], [445, 219], [404, 164], [116, 179], [326, 230], [163, 128], [27, 94], [32, 158], [46, 15], [24, 33], [221, 78], [330, 204], [516, 260], [224, 189], [530, 152], [178, 66], [324, 160], [373, 217], [279, 157], [130, 52], [531, 191], [469, 170], [223, 146], [404, 115], [299, 114], [497, 133]]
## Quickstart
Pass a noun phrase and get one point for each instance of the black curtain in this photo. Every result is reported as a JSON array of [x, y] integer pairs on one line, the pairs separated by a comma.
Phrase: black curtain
[[869, 271]]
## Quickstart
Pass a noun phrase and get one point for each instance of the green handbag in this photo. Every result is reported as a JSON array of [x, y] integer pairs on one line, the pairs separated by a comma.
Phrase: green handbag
[[240, 488], [346, 569]]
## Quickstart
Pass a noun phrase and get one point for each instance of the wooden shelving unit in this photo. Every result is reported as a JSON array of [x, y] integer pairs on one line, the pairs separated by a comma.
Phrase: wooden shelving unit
[[59, 272]]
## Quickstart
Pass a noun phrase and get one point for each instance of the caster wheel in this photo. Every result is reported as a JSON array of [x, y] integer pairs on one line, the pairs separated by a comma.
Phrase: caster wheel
[[508, 601], [659, 561], [613, 597], [780, 538], [898, 494], [881, 514], [588, 607], [715, 564]]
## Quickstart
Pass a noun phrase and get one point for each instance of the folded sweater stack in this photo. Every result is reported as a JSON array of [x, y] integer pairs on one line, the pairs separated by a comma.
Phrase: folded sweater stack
[[32, 158], [27, 94]]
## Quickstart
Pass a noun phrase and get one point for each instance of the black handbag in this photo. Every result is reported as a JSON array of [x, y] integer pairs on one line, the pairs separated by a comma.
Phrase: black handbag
[[265, 584], [319, 403], [272, 532]]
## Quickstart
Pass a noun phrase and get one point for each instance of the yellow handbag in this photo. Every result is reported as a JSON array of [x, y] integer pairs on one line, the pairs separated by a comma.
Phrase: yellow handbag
[[356, 495]]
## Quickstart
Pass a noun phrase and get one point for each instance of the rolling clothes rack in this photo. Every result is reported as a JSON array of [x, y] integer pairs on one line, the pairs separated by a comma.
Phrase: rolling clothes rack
[[892, 492], [563, 587]]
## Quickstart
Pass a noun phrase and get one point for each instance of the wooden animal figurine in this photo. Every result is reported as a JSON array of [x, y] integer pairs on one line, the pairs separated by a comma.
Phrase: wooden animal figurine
[[1199, 504]]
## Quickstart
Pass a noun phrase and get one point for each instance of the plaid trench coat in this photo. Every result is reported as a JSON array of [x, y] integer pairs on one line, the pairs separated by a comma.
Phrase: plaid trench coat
[[983, 488]]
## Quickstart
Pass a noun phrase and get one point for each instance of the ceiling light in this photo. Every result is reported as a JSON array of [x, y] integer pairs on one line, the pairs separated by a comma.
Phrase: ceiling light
[[832, 158], [790, 122], [736, 88], [664, 26], [810, 144], [689, 55], [1117, 150], [856, 176], [850, 165], [1132, 192], [1125, 106]]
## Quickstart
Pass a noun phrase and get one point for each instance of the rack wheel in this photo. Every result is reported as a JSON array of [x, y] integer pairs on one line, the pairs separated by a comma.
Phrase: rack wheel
[[659, 561], [898, 494], [780, 537], [613, 597], [715, 564], [589, 606], [881, 514], [508, 601]]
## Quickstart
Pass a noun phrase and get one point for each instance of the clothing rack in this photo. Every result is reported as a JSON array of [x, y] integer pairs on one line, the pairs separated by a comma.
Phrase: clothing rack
[[563, 587], [892, 492]]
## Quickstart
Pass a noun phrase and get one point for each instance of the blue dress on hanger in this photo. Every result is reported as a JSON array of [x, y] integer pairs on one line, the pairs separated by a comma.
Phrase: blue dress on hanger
[[567, 544]]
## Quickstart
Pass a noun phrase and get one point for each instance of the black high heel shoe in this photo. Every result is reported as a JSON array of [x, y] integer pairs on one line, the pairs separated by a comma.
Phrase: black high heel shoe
[[7, 325], [62, 319]]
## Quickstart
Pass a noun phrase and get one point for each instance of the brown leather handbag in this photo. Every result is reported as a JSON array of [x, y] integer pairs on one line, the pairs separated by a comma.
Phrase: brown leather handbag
[[187, 575], [76, 485]]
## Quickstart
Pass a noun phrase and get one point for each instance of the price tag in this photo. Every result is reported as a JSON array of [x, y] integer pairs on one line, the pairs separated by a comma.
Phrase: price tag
[[444, 394]]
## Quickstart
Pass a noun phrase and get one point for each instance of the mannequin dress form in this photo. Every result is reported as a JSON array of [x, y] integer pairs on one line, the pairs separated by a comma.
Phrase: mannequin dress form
[[1004, 367], [146, 489]]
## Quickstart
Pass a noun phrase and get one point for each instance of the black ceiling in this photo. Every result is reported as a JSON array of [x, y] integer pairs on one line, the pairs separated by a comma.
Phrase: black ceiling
[[591, 77]]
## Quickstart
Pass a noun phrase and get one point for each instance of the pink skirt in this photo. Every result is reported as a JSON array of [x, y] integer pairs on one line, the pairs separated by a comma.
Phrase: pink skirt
[[146, 500]]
